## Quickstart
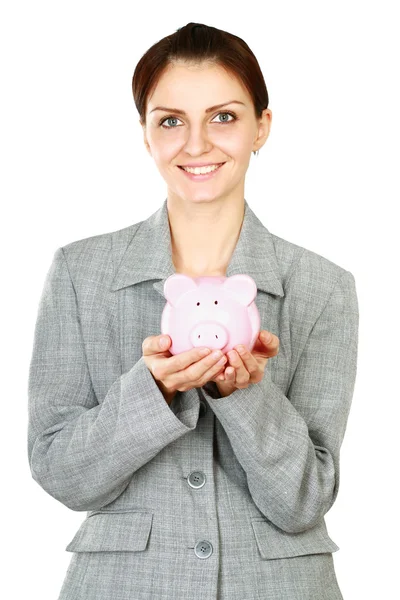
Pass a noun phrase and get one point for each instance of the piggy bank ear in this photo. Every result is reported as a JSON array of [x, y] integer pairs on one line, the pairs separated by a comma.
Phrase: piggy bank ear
[[243, 287], [176, 285]]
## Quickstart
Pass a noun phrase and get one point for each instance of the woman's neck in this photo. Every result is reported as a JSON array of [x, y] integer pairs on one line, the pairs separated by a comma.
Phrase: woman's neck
[[204, 235]]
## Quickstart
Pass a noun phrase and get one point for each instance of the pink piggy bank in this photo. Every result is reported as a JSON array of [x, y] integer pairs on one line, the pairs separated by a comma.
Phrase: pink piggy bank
[[216, 312]]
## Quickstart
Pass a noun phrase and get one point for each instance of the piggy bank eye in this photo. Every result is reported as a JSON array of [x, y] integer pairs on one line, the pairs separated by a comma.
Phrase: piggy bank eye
[[216, 302]]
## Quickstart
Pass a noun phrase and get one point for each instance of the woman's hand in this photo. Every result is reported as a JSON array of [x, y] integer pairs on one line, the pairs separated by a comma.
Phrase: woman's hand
[[247, 367], [180, 372]]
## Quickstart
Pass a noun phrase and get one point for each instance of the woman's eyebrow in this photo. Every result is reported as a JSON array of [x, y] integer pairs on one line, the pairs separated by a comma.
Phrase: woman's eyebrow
[[182, 112]]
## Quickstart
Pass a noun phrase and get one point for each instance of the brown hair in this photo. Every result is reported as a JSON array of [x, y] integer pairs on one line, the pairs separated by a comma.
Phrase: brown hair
[[195, 43]]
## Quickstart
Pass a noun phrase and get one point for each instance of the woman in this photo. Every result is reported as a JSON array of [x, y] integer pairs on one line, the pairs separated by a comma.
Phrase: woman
[[201, 478]]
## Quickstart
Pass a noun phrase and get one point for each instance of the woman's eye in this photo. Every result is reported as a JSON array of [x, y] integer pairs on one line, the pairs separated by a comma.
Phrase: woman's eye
[[176, 119], [168, 119]]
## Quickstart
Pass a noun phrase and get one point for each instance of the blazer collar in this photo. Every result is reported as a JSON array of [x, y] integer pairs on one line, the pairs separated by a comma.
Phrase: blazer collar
[[149, 254]]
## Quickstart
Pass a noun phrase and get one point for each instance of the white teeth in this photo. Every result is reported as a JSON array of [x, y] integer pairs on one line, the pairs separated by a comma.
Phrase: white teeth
[[201, 170]]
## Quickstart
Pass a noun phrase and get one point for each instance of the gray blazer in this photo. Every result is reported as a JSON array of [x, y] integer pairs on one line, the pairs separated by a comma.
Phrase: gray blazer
[[209, 498]]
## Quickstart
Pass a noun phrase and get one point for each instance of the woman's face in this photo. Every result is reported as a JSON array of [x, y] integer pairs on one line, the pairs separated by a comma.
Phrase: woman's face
[[227, 134]]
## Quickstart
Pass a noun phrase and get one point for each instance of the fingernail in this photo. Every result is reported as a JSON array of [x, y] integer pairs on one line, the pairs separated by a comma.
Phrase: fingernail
[[164, 342], [205, 351], [266, 336]]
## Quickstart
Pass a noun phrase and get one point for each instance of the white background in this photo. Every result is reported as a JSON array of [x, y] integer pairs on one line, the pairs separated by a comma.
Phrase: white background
[[74, 165]]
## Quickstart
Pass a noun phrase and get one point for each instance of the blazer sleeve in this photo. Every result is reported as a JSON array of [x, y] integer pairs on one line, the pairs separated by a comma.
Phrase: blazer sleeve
[[81, 452], [289, 446]]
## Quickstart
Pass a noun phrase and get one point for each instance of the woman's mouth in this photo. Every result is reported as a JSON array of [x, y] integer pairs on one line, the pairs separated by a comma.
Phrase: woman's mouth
[[201, 176]]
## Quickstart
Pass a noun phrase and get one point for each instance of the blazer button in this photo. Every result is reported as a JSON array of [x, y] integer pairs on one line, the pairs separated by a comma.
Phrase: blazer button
[[203, 549], [203, 408], [196, 479]]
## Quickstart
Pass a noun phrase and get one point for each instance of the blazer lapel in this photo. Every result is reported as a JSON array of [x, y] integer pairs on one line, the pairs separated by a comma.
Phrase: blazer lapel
[[149, 254]]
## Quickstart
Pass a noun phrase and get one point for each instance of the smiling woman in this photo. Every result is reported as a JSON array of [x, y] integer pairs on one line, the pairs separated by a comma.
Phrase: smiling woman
[[195, 487]]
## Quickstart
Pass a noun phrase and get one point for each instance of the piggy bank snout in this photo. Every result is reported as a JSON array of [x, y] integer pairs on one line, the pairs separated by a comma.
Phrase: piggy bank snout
[[210, 334]]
